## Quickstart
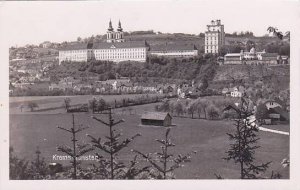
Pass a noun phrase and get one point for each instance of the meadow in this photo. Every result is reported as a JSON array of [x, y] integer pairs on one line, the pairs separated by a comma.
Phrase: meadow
[[208, 138], [54, 104]]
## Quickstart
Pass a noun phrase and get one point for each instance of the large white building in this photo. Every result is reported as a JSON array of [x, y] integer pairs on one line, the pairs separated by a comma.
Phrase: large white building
[[117, 52], [80, 52], [214, 37], [116, 49]]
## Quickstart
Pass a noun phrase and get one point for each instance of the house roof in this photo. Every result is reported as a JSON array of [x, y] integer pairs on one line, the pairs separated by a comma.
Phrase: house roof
[[155, 115], [233, 55], [277, 100], [269, 55], [118, 45], [172, 46]]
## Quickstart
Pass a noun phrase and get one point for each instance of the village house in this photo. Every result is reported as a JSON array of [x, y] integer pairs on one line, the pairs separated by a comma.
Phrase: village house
[[23, 85], [82, 87], [156, 119], [122, 85], [277, 115], [237, 92], [64, 84], [149, 89], [225, 91], [277, 112]]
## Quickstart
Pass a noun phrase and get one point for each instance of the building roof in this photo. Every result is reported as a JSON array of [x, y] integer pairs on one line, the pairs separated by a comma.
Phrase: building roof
[[277, 100], [269, 55], [172, 46], [75, 46], [155, 115], [126, 44], [105, 45], [233, 55]]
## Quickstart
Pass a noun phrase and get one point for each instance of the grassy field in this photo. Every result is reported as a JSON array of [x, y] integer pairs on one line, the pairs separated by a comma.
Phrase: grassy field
[[208, 138], [54, 104]]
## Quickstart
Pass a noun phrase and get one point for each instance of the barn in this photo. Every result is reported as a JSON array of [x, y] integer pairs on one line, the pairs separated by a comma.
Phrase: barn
[[156, 119]]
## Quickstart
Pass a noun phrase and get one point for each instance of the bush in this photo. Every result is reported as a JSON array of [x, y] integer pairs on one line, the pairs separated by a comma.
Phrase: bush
[[213, 112], [32, 106]]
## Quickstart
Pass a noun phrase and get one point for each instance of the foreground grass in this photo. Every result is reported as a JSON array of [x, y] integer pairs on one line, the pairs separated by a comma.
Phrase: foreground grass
[[208, 138]]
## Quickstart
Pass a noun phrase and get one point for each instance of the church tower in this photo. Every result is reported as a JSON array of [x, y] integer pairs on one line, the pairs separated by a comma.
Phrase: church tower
[[119, 33], [110, 33]]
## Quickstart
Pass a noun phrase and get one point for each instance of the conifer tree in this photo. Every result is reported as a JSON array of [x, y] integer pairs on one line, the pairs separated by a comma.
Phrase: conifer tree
[[77, 149], [109, 165], [164, 162], [38, 167], [244, 143]]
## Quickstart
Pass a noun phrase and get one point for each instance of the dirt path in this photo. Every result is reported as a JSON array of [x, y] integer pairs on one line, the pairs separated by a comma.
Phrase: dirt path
[[273, 131]]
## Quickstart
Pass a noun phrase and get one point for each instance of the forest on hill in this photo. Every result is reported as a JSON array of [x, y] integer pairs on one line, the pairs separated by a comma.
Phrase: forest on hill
[[198, 69]]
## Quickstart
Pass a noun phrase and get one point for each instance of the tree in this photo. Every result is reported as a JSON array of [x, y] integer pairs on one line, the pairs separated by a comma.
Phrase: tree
[[18, 168], [38, 167], [244, 143], [261, 112], [93, 104], [203, 103], [67, 102], [178, 108], [32, 106], [101, 105], [199, 107], [192, 108], [164, 162], [213, 112], [77, 149], [275, 32], [109, 166]]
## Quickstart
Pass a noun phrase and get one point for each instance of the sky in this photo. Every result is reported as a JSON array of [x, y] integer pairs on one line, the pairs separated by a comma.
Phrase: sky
[[24, 23]]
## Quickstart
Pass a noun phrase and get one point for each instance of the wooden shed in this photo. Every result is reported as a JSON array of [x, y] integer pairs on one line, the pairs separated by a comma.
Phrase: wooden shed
[[156, 119]]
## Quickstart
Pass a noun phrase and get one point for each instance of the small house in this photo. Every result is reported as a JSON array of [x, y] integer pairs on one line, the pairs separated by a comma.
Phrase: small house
[[277, 114], [236, 93], [156, 119]]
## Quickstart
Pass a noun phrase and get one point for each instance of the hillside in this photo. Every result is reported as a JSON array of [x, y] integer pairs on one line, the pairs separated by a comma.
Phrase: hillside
[[236, 72], [197, 69], [277, 76]]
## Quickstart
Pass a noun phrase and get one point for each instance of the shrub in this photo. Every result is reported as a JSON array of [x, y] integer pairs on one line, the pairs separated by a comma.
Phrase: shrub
[[213, 112], [32, 106]]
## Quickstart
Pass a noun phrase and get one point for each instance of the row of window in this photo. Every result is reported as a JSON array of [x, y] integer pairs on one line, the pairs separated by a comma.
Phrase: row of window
[[119, 57], [174, 51], [120, 50], [211, 51]]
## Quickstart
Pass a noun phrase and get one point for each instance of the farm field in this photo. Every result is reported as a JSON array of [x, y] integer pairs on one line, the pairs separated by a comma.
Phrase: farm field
[[208, 138], [54, 104]]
